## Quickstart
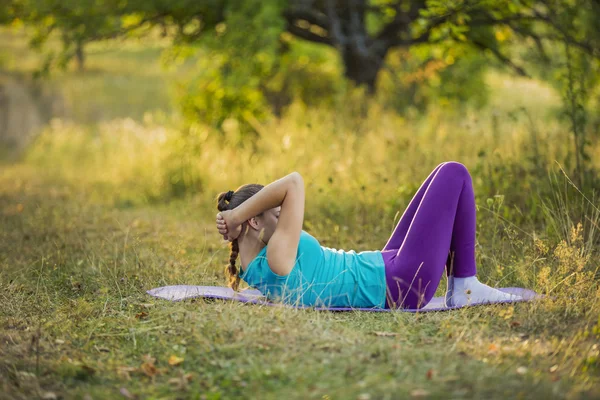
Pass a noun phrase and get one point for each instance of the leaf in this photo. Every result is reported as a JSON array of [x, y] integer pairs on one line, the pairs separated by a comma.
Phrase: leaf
[[174, 360], [492, 348], [149, 369], [141, 315], [429, 373], [148, 366]]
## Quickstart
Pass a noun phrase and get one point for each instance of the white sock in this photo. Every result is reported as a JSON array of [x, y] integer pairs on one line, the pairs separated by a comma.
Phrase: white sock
[[464, 291]]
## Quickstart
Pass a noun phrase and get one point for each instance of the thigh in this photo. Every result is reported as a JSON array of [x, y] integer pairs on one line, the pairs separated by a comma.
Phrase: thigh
[[399, 233], [415, 272]]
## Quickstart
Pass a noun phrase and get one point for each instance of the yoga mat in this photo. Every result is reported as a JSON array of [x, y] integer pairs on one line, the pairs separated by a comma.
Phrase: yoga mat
[[182, 292]]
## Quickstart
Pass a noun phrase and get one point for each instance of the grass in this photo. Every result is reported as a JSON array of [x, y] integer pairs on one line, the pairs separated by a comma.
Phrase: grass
[[76, 320], [96, 212]]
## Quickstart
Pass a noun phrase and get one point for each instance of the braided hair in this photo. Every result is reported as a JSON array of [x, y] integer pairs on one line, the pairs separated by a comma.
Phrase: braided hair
[[228, 201]]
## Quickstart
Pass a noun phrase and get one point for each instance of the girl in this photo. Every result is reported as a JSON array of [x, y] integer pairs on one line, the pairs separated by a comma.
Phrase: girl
[[437, 230]]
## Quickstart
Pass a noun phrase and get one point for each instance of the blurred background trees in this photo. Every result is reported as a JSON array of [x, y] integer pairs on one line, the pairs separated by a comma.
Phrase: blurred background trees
[[253, 58]]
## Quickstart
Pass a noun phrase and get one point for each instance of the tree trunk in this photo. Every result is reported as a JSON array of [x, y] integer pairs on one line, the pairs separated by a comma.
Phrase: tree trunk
[[80, 56], [362, 69]]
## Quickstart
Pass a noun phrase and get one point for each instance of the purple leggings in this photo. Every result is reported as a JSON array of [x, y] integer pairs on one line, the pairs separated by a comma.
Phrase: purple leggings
[[439, 221]]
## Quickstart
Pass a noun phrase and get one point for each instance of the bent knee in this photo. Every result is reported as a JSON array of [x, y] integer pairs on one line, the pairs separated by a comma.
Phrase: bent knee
[[456, 167], [456, 170]]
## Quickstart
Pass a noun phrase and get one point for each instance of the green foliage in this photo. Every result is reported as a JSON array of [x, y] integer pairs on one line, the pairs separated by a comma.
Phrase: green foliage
[[238, 59], [249, 66], [76, 23], [579, 76], [450, 75]]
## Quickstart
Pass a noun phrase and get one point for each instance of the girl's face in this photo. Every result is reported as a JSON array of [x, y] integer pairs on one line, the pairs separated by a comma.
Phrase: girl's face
[[267, 223]]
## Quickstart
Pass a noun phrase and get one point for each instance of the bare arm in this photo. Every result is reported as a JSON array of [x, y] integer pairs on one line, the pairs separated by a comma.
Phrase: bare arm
[[270, 196], [287, 192], [283, 245]]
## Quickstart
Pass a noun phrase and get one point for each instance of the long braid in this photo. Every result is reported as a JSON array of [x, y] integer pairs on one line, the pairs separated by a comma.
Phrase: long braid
[[231, 269], [229, 201]]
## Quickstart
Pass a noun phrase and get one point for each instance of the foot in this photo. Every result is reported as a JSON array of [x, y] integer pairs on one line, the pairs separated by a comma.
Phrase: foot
[[465, 291]]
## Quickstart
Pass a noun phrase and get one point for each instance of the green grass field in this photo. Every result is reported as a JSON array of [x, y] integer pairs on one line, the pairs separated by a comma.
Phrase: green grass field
[[101, 208]]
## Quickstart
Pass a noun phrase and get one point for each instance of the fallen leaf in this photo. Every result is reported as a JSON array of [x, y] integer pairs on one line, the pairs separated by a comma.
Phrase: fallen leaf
[[49, 396], [521, 370], [554, 368], [149, 369], [515, 324], [385, 333], [174, 360], [429, 373], [492, 348], [555, 378], [141, 315], [418, 393]]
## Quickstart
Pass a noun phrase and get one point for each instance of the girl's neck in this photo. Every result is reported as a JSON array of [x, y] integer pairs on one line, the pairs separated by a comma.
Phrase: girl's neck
[[249, 249]]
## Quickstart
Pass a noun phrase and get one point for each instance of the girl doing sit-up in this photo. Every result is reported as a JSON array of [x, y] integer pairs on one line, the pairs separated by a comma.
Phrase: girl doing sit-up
[[284, 262]]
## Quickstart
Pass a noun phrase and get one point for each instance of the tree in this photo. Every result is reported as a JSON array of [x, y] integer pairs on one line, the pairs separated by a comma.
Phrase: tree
[[365, 31], [362, 31]]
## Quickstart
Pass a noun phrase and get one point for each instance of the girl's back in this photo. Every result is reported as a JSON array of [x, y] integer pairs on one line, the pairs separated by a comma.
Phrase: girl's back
[[322, 276]]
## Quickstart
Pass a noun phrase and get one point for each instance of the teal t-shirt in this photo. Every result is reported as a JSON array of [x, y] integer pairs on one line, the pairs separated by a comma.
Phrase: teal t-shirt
[[322, 276]]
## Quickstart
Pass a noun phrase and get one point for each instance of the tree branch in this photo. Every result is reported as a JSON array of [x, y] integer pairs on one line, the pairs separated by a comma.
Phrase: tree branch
[[358, 31], [312, 16], [424, 37], [335, 26], [308, 35], [505, 60], [569, 39]]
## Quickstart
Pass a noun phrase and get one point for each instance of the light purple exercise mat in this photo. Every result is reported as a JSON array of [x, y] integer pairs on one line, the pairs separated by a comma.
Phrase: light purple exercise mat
[[182, 292]]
